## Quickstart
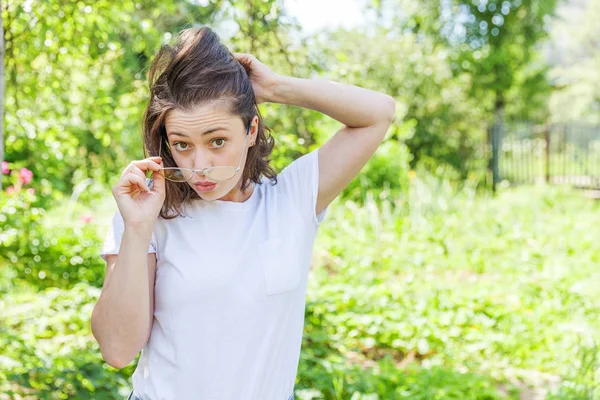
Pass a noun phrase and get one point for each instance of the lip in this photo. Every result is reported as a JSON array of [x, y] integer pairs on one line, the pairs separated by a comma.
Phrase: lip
[[205, 186]]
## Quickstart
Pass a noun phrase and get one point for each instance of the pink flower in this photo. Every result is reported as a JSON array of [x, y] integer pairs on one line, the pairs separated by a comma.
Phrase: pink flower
[[5, 169], [31, 191], [25, 176], [10, 190], [86, 218]]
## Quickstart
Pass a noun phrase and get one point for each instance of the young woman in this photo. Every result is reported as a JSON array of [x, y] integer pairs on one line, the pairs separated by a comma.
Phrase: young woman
[[207, 262]]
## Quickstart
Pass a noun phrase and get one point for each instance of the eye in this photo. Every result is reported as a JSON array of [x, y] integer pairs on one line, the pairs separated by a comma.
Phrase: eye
[[219, 142], [181, 148]]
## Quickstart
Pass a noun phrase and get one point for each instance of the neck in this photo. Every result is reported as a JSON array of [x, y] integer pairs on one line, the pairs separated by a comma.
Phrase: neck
[[237, 195]]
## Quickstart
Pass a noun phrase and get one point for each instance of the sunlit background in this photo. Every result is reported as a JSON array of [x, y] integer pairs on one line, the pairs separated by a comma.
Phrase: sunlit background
[[462, 263]]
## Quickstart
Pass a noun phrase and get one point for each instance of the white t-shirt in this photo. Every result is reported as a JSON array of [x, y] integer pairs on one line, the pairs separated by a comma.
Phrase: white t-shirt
[[230, 292]]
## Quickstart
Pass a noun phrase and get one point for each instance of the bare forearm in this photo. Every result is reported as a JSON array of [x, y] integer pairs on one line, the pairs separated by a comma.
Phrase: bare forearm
[[351, 105], [121, 318]]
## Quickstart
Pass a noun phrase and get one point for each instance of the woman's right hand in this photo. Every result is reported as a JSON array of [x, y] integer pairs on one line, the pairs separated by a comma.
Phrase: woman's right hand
[[139, 205]]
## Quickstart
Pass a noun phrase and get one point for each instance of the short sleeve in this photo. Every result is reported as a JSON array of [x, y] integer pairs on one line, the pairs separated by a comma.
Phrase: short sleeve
[[300, 181], [112, 241]]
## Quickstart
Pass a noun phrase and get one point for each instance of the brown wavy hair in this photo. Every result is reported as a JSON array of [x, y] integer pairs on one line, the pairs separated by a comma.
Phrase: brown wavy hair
[[199, 69]]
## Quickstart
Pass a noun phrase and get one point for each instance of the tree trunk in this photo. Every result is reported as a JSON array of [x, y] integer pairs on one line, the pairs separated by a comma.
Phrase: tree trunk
[[496, 138]]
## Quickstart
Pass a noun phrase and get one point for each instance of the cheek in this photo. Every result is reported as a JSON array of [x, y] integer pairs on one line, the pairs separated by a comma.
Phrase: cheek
[[222, 158], [181, 158]]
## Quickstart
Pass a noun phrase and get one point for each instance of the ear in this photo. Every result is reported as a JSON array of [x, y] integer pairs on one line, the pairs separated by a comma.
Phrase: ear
[[254, 130]]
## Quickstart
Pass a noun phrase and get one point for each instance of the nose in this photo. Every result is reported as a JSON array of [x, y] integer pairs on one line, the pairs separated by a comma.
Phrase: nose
[[201, 159]]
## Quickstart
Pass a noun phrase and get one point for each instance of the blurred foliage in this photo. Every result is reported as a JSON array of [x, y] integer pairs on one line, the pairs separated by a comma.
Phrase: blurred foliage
[[436, 119], [501, 286], [75, 77], [46, 248], [49, 351], [495, 42], [575, 56]]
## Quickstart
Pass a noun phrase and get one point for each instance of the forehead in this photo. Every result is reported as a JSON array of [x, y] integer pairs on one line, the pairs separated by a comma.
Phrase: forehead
[[201, 117]]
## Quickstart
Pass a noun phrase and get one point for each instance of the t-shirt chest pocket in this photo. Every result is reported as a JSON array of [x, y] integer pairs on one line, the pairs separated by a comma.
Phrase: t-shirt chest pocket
[[281, 257]]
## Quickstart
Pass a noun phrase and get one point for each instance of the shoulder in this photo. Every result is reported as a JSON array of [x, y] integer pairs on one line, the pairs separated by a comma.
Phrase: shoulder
[[299, 171], [297, 184]]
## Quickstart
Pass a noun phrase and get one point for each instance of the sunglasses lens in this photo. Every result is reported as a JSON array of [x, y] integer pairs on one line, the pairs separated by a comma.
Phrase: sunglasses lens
[[177, 175], [184, 175], [221, 173]]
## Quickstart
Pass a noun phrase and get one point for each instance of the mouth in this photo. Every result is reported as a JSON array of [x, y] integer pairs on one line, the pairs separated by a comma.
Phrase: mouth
[[205, 186]]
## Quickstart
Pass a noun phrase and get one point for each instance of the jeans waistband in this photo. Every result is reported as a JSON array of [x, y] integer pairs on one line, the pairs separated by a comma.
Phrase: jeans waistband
[[132, 396]]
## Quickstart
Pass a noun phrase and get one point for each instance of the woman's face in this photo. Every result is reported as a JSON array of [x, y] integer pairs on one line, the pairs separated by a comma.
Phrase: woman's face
[[209, 136]]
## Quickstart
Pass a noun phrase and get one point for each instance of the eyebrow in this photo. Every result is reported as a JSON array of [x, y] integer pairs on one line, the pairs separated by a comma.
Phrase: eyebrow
[[207, 132]]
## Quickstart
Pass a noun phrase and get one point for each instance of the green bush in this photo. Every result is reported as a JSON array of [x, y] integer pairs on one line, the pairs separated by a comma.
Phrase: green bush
[[47, 253], [58, 248], [501, 288], [48, 349], [386, 175]]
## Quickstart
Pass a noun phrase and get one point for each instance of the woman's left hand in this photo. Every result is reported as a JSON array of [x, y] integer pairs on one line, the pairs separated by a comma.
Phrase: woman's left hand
[[263, 80]]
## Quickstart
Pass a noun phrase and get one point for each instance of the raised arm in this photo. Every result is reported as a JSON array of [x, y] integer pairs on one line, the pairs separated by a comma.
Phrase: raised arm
[[366, 116]]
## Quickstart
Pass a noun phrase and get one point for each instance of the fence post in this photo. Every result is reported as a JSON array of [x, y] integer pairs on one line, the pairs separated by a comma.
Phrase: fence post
[[496, 138]]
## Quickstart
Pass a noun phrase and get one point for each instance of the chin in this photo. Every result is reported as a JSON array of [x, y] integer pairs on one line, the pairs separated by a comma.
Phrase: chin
[[214, 194], [208, 196]]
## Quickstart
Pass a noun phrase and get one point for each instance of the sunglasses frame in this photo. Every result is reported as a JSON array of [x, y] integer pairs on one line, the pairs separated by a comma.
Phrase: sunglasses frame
[[206, 171]]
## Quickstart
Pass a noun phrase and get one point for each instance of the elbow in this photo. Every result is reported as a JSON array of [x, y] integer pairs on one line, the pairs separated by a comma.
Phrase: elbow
[[389, 109], [115, 360], [386, 117], [115, 357]]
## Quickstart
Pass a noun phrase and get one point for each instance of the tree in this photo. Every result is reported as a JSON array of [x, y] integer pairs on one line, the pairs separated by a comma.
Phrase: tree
[[495, 42], [76, 82], [436, 119]]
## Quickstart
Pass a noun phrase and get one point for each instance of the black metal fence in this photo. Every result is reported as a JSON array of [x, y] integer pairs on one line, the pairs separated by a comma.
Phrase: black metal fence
[[552, 153]]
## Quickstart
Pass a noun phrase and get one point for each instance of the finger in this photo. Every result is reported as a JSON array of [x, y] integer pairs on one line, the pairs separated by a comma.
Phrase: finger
[[145, 165], [244, 58], [133, 169], [127, 169], [241, 55], [131, 181], [158, 185]]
